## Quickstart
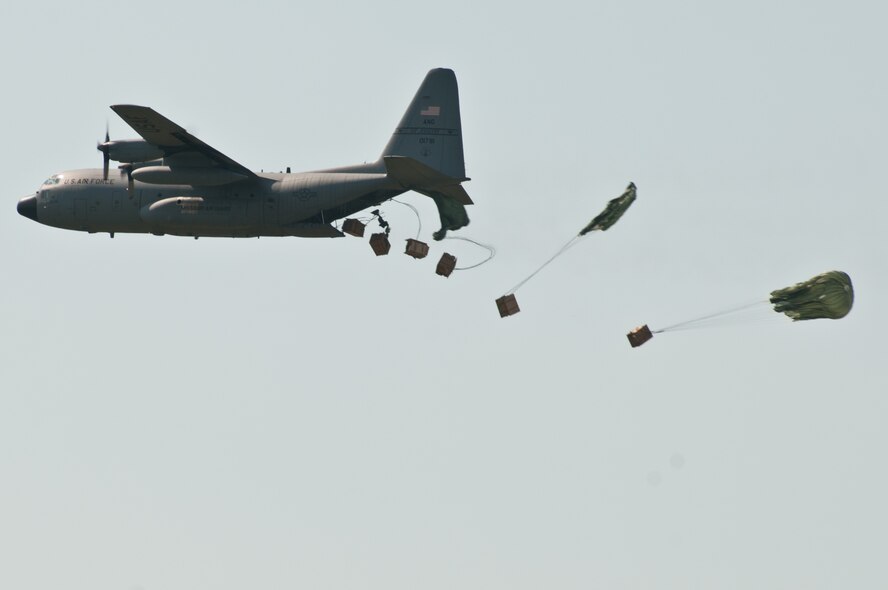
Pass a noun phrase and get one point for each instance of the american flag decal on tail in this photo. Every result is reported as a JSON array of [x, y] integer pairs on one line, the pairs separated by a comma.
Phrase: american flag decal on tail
[[431, 112]]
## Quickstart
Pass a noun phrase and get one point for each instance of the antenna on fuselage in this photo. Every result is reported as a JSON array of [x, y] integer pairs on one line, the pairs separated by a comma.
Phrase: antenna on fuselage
[[130, 185]]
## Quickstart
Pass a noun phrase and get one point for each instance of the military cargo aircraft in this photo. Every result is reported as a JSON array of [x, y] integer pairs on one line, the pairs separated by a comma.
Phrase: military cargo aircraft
[[170, 182]]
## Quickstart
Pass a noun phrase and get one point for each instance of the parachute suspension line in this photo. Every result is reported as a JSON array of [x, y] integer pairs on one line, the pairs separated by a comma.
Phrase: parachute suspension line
[[418, 218], [711, 318], [487, 247], [563, 249]]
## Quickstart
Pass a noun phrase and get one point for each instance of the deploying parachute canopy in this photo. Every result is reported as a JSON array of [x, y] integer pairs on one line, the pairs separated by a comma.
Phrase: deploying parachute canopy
[[612, 212], [828, 295]]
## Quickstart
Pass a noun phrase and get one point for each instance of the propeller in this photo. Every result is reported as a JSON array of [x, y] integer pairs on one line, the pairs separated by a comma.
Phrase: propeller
[[105, 148]]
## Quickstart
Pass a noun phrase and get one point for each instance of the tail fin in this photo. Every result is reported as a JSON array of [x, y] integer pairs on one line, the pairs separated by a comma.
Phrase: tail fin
[[430, 131]]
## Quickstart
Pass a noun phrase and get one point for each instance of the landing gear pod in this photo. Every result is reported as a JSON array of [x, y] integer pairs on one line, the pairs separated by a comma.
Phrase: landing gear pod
[[417, 249], [507, 305], [380, 244], [353, 227], [446, 265], [639, 336]]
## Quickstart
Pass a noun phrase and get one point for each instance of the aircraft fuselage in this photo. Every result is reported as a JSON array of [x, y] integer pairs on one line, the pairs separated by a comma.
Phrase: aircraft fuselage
[[302, 204], [171, 182]]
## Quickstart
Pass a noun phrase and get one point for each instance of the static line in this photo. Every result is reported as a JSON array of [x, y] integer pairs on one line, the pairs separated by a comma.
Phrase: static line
[[563, 249], [416, 211], [690, 324], [487, 247]]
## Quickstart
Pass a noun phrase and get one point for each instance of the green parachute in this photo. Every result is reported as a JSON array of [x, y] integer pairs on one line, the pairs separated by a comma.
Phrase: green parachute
[[614, 210], [828, 295], [612, 213]]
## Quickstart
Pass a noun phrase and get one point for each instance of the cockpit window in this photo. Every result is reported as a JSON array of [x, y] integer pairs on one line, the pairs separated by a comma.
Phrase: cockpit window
[[54, 179]]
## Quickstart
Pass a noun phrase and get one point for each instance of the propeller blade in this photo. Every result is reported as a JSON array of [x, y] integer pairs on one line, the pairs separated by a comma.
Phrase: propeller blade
[[105, 149]]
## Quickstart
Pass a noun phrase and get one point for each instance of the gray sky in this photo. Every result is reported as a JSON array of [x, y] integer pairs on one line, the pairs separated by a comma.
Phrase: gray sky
[[282, 413]]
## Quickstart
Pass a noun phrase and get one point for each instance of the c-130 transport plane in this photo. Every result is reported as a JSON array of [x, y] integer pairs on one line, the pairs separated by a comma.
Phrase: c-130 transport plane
[[170, 182]]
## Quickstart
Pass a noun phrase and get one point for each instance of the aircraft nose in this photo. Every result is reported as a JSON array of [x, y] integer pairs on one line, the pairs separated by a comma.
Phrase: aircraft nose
[[28, 207]]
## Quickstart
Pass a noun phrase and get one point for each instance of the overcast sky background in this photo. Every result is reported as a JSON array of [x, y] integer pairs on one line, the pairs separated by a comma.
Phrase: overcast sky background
[[292, 413]]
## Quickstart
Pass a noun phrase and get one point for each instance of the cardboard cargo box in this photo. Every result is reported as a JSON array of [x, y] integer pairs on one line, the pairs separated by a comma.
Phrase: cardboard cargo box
[[380, 244], [446, 265], [507, 305], [639, 336], [353, 227], [417, 249]]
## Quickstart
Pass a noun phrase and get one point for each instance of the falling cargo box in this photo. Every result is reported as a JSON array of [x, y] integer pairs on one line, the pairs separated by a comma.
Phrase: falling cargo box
[[446, 265], [417, 249], [507, 305], [380, 244], [639, 336], [353, 227]]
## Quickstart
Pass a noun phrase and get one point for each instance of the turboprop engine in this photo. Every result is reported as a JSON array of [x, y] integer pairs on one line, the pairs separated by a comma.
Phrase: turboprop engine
[[143, 162], [130, 150], [193, 175], [126, 150]]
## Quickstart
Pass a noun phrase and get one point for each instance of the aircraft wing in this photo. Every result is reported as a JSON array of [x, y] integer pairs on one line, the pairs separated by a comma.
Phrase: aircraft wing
[[180, 148]]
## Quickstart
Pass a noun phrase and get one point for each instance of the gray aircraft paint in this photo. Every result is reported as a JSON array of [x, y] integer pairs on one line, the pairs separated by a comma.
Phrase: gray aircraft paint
[[194, 190]]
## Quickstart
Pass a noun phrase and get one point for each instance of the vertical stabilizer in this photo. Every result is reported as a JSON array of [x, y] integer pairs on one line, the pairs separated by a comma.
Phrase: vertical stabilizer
[[430, 131]]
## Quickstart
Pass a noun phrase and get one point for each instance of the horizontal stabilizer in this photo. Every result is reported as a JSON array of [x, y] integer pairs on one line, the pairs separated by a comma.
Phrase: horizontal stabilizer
[[449, 196], [414, 175]]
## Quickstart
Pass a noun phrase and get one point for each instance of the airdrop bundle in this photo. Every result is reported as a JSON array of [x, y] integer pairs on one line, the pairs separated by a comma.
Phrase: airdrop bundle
[[827, 295]]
